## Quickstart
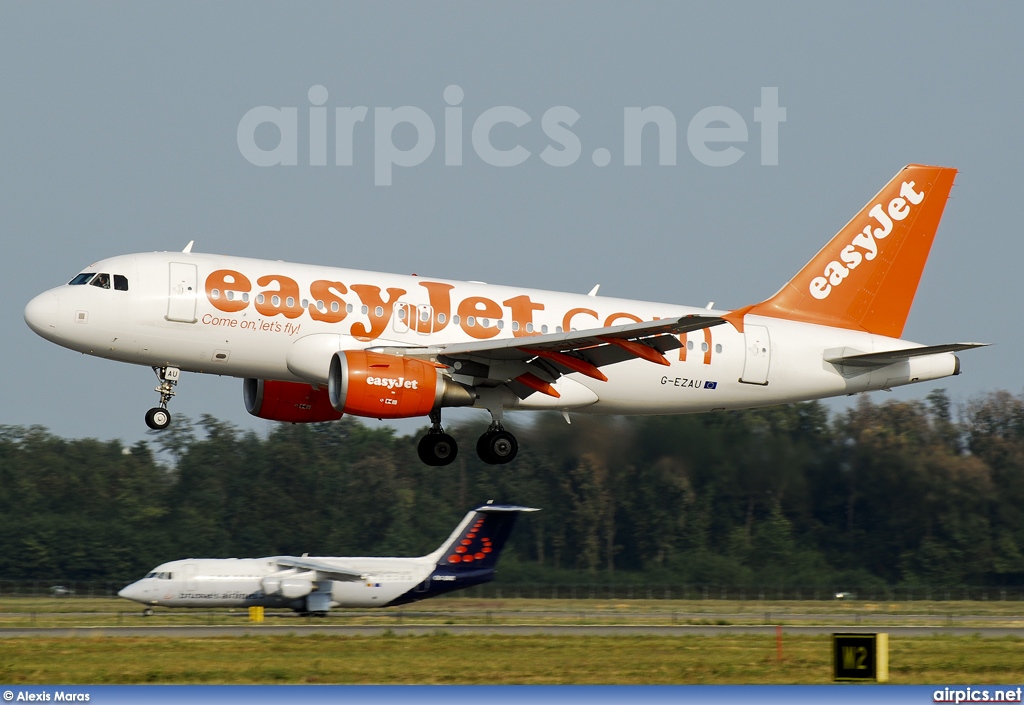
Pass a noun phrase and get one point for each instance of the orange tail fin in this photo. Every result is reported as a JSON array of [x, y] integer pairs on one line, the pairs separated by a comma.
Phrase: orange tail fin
[[866, 277]]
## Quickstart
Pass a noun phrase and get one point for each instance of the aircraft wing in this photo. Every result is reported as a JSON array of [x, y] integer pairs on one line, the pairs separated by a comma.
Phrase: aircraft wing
[[889, 357], [324, 570], [574, 341], [531, 363]]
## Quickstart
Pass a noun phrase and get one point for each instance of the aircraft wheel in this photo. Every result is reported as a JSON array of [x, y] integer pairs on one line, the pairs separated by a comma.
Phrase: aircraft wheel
[[148, 612], [483, 450], [497, 447], [158, 418], [437, 449]]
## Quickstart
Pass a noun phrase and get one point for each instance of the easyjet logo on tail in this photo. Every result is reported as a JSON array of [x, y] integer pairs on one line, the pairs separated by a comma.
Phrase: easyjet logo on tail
[[865, 244]]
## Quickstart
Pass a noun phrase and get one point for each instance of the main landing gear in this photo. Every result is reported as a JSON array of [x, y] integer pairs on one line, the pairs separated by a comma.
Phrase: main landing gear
[[159, 418], [495, 447], [437, 448]]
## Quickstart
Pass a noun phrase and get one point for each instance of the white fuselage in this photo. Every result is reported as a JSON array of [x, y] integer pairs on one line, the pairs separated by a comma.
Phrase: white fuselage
[[182, 310], [245, 582]]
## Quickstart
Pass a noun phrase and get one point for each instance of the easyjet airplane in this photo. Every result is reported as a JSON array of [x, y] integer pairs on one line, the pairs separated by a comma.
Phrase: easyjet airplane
[[315, 342]]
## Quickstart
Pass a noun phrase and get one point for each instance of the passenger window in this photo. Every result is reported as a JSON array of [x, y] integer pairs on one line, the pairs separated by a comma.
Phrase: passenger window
[[82, 278], [120, 283], [102, 281]]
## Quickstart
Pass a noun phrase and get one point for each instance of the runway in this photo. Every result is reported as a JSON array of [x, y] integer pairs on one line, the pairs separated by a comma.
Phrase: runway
[[200, 631]]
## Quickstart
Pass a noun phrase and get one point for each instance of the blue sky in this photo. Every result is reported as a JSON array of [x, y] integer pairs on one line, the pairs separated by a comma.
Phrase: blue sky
[[119, 130]]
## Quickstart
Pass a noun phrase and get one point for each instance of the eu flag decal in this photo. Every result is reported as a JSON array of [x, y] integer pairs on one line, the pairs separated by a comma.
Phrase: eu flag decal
[[710, 385]]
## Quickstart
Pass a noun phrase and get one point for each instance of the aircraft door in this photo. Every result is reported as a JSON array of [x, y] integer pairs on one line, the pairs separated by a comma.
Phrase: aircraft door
[[181, 297], [190, 576], [402, 316], [757, 356], [425, 319]]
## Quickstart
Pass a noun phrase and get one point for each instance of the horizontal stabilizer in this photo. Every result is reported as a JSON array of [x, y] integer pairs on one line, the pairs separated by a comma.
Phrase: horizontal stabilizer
[[890, 357]]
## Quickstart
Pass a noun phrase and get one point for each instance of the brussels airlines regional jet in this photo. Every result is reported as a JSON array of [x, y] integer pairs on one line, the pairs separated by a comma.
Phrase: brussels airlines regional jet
[[313, 342], [314, 585]]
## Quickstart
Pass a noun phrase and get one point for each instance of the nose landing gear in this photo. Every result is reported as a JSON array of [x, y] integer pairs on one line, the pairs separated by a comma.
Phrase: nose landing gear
[[159, 418]]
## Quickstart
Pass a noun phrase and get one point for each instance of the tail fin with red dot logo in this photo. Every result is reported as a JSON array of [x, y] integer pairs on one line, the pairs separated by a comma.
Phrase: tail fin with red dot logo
[[470, 554], [479, 538]]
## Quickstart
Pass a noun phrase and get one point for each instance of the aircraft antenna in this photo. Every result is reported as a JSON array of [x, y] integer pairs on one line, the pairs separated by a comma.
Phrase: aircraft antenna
[[188, 247]]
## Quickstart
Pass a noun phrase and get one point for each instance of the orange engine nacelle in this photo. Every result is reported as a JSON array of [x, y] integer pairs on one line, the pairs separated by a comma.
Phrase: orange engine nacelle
[[294, 402], [384, 386]]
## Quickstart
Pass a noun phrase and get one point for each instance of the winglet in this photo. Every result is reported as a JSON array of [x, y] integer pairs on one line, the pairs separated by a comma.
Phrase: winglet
[[866, 277]]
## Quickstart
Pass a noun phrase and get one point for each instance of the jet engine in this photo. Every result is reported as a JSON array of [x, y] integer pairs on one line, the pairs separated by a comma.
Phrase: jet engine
[[294, 588], [384, 386], [291, 588], [293, 402]]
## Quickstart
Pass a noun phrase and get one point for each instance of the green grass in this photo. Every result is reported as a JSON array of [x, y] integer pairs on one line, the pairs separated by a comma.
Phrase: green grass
[[471, 659], [481, 659]]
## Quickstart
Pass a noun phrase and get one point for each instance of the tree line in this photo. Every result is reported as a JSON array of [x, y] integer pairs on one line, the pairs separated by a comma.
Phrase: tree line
[[897, 493]]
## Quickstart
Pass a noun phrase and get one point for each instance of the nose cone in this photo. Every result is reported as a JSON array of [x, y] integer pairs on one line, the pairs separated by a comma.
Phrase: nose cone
[[41, 315], [132, 592]]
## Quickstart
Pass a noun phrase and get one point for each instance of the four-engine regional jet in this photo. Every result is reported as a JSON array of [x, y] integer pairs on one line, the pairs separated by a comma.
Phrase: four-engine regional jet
[[314, 342], [314, 585]]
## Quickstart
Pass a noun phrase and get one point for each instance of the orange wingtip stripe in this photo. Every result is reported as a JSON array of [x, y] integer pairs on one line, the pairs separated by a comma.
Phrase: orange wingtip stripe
[[573, 363], [639, 349], [538, 385]]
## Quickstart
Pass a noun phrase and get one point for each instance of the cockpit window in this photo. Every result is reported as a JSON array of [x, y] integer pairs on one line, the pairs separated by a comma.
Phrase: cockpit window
[[102, 281], [82, 278], [120, 282]]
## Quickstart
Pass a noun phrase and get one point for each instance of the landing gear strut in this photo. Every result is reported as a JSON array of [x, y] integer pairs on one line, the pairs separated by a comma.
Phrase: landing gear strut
[[497, 446], [437, 448], [159, 418]]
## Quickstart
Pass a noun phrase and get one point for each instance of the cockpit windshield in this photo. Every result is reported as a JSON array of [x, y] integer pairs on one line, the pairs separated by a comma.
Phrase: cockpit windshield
[[159, 575], [101, 280]]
